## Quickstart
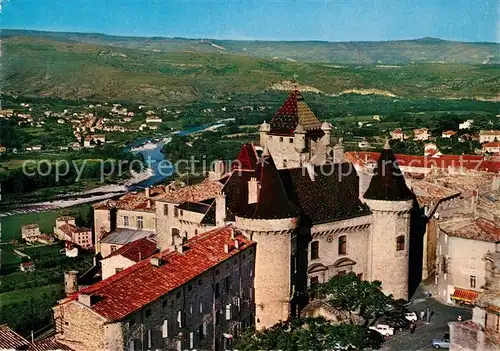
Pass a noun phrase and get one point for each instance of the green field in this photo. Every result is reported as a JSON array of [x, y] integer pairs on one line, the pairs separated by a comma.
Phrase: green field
[[46, 67], [11, 225]]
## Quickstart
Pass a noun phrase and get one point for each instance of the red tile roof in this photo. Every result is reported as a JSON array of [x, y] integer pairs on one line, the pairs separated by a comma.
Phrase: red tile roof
[[136, 250], [208, 189], [49, 344], [469, 162], [489, 132], [478, 229], [492, 144], [143, 283], [70, 229], [10, 340]]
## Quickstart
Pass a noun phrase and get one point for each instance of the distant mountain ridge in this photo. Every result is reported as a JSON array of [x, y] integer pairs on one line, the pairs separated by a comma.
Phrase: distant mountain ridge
[[423, 50]]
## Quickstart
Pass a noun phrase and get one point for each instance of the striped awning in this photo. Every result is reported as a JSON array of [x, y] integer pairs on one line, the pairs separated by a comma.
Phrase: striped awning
[[464, 295]]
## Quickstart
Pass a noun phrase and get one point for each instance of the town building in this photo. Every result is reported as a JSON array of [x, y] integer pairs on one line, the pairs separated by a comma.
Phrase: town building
[[66, 229], [28, 266], [30, 232], [421, 134], [491, 147], [466, 124], [486, 136], [448, 134], [127, 255], [462, 242], [482, 332], [153, 119], [195, 297], [397, 134]]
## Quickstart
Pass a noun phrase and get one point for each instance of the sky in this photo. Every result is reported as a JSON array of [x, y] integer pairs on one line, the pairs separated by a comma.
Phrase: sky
[[328, 20]]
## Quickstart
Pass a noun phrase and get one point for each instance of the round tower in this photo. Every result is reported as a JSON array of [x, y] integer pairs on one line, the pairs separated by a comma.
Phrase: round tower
[[263, 130], [391, 203], [70, 282], [327, 129], [271, 221]]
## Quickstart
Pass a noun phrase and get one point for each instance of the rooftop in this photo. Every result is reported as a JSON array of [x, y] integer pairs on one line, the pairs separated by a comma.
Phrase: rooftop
[[489, 132], [30, 226], [430, 194], [70, 229], [208, 189], [473, 229], [10, 340], [119, 296], [122, 236], [137, 250]]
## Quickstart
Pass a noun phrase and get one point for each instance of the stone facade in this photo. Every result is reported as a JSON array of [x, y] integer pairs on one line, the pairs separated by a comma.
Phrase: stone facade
[[114, 264], [30, 232]]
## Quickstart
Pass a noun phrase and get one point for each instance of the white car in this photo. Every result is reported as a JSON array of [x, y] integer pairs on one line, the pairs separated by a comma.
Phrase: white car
[[411, 316], [383, 329]]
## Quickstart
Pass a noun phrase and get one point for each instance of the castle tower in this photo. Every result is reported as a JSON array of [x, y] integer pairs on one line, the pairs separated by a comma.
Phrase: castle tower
[[391, 202], [70, 282], [271, 221], [263, 130], [327, 129]]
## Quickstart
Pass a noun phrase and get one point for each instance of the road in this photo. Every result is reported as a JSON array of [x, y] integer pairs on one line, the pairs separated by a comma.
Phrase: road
[[421, 339]]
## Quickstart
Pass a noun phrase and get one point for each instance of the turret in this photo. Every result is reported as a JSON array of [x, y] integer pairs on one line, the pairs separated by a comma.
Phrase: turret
[[271, 221], [391, 202], [70, 282], [299, 140], [263, 130], [326, 128]]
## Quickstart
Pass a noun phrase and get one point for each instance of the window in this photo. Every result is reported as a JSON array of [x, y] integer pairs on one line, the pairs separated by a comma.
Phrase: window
[[314, 250], [201, 331], [165, 210], [251, 271], [140, 223], [201, 306], [217, 290], [125, 221], [360, 276], [148, 312], [191, 340], [131, 345], [113, 248], [196, 232], [118, 270], [284, 163], [472, 263], [179, 318], [200, 281], [227, 283], [164, 329], [342, 245], [217, 317], [228, 312], [290, 140], [178, 294], [341, 273], [314, 281], [281, 139], [250, 293], [400, 243], [190, 308], [149, 338], [472, 281], [164, 303], [498, 324], [182, 212], [176, 212]]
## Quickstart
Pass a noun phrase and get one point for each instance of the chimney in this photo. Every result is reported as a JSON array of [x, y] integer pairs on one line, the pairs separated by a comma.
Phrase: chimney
[[232, 233], [148, 204], [70, 282], [87, 299], [253, 190], [147, 191], [226, 248], [236, 244], [220, 209], [156, 261]]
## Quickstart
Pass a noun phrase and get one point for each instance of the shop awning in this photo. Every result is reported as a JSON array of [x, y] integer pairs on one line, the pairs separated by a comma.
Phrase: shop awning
[[464, 295]]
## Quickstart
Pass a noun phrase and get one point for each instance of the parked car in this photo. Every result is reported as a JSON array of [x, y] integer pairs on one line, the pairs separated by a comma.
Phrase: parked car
[[398, 323], [383, 329], [443, 343], [411, 316]]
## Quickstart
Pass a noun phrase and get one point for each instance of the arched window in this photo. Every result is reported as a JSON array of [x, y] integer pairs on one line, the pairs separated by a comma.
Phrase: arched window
[[342, 245], [400, 243], [175, 232], [284, 163]]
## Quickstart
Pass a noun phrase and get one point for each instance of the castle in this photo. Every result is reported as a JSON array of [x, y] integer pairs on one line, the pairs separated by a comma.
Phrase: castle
[[299, 200]]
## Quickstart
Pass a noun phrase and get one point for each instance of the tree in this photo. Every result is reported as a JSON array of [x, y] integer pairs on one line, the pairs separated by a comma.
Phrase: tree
[[350, 293], [309, 334]]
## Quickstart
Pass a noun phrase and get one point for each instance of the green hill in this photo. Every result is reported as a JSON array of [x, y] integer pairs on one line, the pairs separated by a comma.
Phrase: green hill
[[70, 69], [425, 50]]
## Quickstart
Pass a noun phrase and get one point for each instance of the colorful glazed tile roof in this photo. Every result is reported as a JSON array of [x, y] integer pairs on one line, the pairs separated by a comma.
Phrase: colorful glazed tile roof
[[120, 295], [247, 158], [137, 250], [293, 112]]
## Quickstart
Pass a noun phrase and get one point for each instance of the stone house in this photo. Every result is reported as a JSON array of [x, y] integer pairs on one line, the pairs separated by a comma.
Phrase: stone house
[[421, 134], [483, 331], [491, 147], [65, 229], [160, 304], [126, 256], [28, 266], [448, 134], [486, 136], [397, 134], [30, 232], [462, 242]]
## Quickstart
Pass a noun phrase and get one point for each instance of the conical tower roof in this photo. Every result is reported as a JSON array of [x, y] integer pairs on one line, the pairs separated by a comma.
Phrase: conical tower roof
[[294, 111], [388, 183]]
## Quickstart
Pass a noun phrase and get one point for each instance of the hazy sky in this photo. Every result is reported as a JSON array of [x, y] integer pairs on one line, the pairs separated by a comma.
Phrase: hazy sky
[[332, 20]]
